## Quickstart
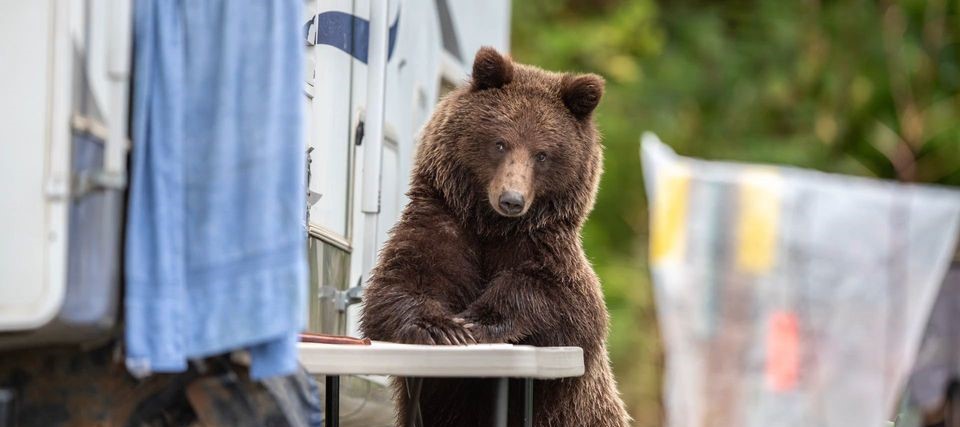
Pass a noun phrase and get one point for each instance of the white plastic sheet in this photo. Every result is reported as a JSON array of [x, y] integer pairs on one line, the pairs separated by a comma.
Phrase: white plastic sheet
[[789, 297]]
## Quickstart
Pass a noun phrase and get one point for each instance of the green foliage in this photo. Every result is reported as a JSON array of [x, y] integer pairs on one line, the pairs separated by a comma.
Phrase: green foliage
[[848, 86]]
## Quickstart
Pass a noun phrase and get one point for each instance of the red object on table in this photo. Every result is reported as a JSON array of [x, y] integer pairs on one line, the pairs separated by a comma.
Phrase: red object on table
[[332, 339]]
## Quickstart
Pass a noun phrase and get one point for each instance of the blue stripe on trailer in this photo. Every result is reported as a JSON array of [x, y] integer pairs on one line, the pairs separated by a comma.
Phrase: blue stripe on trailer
[[348, 33]]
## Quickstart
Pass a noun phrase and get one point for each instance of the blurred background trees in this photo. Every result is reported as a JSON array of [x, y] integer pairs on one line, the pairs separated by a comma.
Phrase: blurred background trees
[[858, 87]]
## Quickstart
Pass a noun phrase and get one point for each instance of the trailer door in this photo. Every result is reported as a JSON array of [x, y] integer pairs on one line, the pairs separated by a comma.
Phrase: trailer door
[[34, 161]]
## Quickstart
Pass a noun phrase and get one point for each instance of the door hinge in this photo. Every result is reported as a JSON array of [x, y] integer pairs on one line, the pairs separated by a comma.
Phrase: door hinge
[[358, 134], [312, 196]]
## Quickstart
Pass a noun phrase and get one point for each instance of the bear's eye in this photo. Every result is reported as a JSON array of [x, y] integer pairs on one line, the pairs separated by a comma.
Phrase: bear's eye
[[541, 156], [501, 146]]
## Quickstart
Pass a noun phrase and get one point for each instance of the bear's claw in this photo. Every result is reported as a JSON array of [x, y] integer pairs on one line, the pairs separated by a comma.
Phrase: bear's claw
[[435, 333]]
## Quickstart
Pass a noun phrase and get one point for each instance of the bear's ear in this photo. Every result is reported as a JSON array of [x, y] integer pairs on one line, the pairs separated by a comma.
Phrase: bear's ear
[[581, 93], [490, 70]]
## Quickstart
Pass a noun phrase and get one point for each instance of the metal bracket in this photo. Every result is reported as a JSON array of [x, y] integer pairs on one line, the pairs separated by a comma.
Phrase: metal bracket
[[312, 197], [86, 182], [342, 299]]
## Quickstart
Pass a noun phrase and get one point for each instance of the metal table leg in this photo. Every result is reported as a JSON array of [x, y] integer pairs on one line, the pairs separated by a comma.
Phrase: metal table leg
[[6, 408], [414, 417], [331, 416], [503, 394], [528, 402]]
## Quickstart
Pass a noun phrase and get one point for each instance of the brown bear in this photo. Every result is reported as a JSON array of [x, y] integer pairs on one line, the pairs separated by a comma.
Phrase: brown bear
[[488, 250]]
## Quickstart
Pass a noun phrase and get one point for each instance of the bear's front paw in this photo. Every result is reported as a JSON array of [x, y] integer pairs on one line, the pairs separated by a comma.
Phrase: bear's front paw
[[480, 332], [435, 332]]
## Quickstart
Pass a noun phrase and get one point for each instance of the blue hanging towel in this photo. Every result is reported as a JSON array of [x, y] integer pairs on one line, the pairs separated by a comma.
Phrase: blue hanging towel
[[215, 243]]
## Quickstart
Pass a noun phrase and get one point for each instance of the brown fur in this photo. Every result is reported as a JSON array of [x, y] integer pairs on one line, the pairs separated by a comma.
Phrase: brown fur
[[457, 270]]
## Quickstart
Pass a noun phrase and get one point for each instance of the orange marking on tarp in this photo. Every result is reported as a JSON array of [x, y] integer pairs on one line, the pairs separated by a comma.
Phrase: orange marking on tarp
[[783, 351], [669, 212], [759, 219]]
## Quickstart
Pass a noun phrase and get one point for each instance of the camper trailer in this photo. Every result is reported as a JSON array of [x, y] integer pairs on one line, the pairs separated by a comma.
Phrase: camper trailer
[[63, 165]]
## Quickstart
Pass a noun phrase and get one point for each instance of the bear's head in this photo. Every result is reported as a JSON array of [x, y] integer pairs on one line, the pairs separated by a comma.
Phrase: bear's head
[[517, 146]]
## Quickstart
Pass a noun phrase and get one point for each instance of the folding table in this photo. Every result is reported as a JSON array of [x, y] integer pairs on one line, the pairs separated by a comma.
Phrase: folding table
[[414, 362]]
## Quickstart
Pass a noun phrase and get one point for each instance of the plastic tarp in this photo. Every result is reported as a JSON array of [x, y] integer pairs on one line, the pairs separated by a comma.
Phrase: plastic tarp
[[790, 297]]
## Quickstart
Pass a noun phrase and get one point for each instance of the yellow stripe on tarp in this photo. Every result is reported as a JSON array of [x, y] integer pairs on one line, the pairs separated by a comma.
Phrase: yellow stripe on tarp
[[759, 219], [669, 215]]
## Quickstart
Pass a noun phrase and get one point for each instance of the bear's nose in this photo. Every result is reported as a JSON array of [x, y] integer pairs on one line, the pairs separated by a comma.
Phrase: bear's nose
[[511, 202]]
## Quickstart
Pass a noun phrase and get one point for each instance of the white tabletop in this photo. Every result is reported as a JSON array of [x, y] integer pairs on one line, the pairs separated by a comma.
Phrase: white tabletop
[[479, 360]]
